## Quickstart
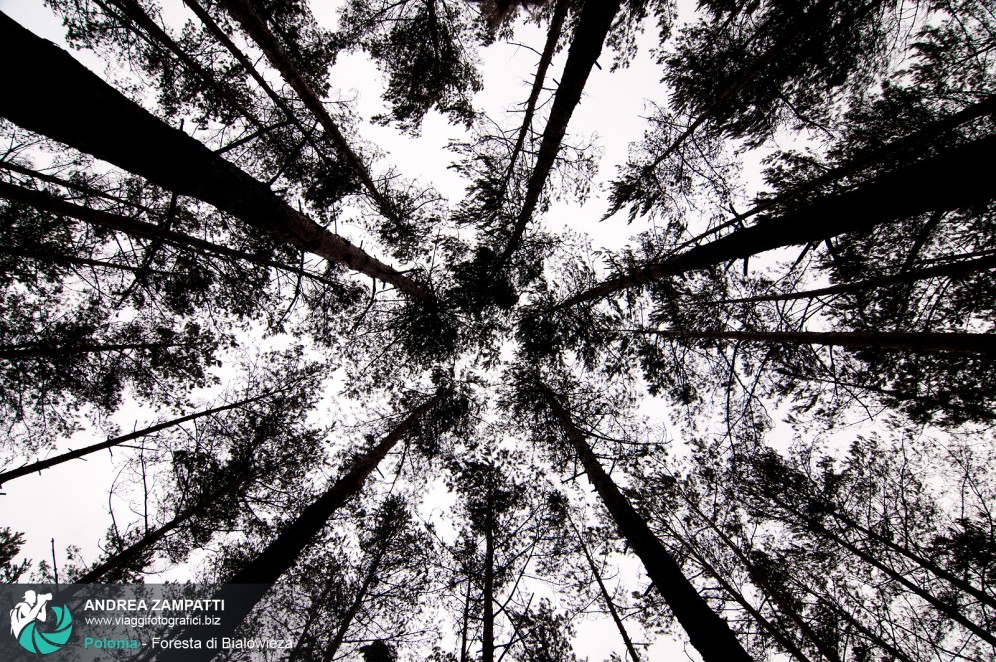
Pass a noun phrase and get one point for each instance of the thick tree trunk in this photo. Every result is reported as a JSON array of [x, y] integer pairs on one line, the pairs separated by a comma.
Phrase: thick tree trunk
[[259, 574], [954, 269], [931, 132], [140, 229], [942, 182], [922, 343], [33, 351], [254, 26], [109, 126], [111, 443], [708, 633], [606, 597], [589, 36]]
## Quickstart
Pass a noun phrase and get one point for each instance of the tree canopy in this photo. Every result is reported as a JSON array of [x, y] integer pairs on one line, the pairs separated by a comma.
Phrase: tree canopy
[[749, 414]]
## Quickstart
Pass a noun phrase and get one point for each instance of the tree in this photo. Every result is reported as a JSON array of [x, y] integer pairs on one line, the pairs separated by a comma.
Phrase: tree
[[776, 397]]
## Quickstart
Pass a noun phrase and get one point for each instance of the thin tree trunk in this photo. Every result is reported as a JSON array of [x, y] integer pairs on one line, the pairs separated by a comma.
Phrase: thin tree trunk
[[49, 256], [140, 229], [947, 609], [119, 560], [34, 350], [781, 637], [942, 182], [107, 125], [776, 596], [466, 622], [488, 636], [75, 186], [955, 269], [928, 565], [589, 36], [254, 26], [552, 37], [708, 633], [135, 12], [606, 596], [926, 343], [368, 579], [248, 585], [41, 465]]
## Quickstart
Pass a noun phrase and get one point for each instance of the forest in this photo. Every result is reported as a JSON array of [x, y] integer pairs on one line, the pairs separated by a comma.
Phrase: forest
[[726, 397]]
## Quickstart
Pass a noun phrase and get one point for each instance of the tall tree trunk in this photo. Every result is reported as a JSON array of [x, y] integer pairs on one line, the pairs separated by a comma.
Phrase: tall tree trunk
[[119, 560], [922, 137], [942, 182], [832, 511], [255, 26], [136, 13], [34, 350], [368, 579], [116, 441], [488, 636], [708, 633], [926, 343], [219, 34], [589, 36], [552, 37], [140, 229], [950, 611], [606, 597], [109, 126], [466, 622], [960, 268], [758, 578], [248, 585], [776, 633]]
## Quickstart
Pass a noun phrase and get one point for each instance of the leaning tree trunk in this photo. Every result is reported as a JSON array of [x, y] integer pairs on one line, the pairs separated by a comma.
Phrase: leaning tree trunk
[[116, 441], [368, 580], [962, 268], [783, 639], [589, 36], [36, 350], [134, 228], [922, 343], [255, 26], [119, 561], [248, 586], [942, 182], [920, 138], [552, 37], [606, 597], [109, 126], [944, 607], [708, 633]]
